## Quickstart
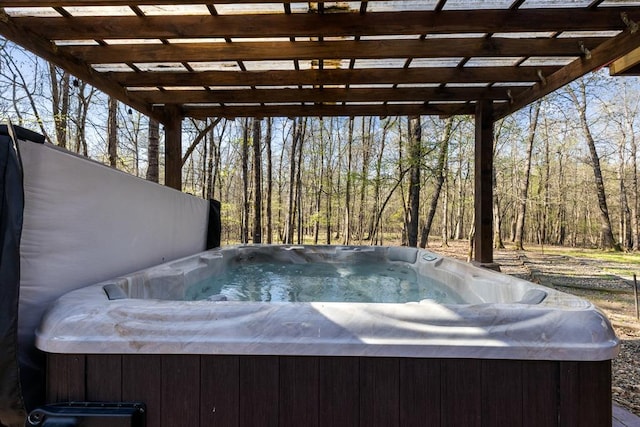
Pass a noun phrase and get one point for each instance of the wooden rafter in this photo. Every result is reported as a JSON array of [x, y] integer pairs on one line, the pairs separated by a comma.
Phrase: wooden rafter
[[369, 49], [329, 25], [333, 77], [49, 51], [368, 60], [324, 95], [323, 110], [604, 54]]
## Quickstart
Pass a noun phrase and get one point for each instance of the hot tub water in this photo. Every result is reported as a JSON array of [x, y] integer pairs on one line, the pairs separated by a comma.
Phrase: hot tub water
[[321, 282]]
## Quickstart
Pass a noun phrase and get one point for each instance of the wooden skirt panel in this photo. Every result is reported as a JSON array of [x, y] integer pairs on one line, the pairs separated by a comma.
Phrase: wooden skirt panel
[[296, 391]]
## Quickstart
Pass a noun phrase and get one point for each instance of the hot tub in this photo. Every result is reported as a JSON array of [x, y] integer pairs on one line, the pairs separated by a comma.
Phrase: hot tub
[[471, 347]]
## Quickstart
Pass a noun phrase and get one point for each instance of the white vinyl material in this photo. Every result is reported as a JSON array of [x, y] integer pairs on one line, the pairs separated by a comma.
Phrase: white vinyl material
[[85, 222]]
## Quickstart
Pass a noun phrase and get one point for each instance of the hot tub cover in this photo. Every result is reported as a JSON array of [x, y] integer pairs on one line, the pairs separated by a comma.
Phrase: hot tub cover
[[66, 222], [11, 206]]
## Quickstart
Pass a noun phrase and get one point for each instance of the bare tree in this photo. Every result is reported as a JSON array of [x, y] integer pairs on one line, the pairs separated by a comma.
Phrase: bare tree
[[443, 158], [112, 133], [257, 182], [347, 197], [60, 103], [153, 151], [245, 182], [579, 97], [534, 114], [267, 140], [415, 161]]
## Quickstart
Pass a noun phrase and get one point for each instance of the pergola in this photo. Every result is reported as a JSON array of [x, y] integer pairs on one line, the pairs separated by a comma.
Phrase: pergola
[[172, 59]]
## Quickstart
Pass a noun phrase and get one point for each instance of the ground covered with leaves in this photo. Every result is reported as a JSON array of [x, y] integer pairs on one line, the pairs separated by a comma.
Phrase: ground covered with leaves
[[604, 278]]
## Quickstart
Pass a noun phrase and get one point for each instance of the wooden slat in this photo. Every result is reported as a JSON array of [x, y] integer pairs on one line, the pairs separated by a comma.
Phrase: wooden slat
[[180, 390], [461, 385], [326, 95], [201, 112], [420, 397], [332, 77], [502, 393], [219, 391], [142, 382], [540, 381], [329, 25], [308, 50], [65, 377], [56, 3], [259, 382], [608, 51], [379, 392], [298, 391], [104, 377], [338, 391], [585, 394], [630, 60]]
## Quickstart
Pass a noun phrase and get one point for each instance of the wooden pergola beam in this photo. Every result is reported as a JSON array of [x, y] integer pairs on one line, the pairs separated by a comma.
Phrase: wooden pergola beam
[[325, 95], [63, 3], [324, 110], [310, 50], [173, 146], [605, 53], [332, 76], [50, 52], [329, 25], [483, 194]]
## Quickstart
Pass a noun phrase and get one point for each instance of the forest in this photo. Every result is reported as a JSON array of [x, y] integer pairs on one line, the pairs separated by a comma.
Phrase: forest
[[565, 168]]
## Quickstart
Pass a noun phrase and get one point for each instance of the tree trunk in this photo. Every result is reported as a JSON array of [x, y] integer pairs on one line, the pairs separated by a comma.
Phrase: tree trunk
[[269, 183], [524, 189], [320, 185], [459, 233], [440, 177], [373, 227], [60, 104], [112, 134], [445, 213], [367, 138], [301, 135], [245, 183], [153, 151], [289, 226], [81, 118], [607, 240], [347, 197], [415, 160], [257, 182]]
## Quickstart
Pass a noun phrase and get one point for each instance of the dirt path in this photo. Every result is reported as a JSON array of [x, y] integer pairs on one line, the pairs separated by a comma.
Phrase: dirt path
[[607, 284]]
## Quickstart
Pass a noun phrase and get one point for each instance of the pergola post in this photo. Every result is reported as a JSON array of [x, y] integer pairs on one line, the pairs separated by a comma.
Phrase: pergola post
[[483, 239], [173, 147]]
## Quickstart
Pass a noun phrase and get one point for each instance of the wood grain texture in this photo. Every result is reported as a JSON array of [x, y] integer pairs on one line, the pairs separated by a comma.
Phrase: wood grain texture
[[65, 377], [219, 391], [141, 382], [298, 391], [104, 377], [379, 392], [339, 391], [180, 390], [461, 388], [502, 398], [420, 392], [247, 391], [259, 383], [540, 381]]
